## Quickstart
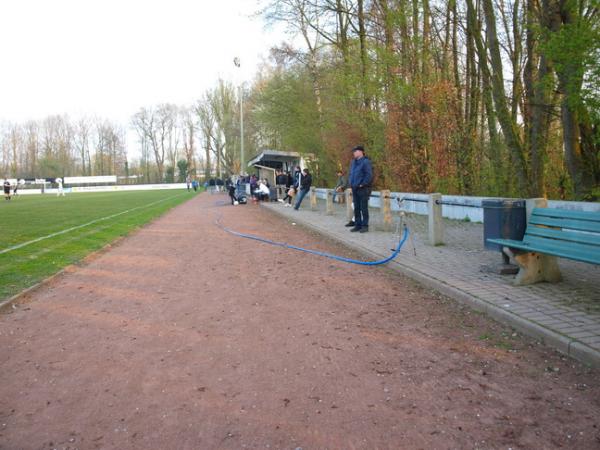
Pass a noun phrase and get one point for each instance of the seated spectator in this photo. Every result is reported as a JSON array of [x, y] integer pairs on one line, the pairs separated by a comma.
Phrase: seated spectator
[[262, 191]]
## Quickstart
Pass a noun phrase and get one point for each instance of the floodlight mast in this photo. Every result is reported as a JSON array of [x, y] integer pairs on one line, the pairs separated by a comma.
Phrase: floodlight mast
[[237, 63]]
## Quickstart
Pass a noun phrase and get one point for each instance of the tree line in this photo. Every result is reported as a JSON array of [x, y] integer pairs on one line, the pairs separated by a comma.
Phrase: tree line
[[175, 141], [489, 97], [58, 146], [472, 97]]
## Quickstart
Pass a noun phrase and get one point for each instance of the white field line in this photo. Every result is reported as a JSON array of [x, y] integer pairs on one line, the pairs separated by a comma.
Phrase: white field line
[[68, 230]]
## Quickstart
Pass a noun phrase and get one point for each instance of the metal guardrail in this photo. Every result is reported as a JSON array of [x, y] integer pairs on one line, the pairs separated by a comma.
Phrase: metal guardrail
[[421, 200], [465, 205], [413, 199]]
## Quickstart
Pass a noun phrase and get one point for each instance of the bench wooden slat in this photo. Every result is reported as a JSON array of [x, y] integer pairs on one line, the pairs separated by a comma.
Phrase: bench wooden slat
[[571, 250], [592, 258], [509, 243], [562, 235], [565, 214], [570, 224]]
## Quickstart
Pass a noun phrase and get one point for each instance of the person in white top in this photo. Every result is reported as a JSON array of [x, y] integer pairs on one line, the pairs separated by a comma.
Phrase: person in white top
[[262, 191], [60, 187]]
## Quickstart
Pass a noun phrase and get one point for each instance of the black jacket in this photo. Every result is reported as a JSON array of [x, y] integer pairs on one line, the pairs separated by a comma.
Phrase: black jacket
[[306, 182]]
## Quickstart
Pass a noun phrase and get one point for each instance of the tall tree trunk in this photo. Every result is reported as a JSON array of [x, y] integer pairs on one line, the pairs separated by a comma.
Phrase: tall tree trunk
[[538, 99], [362, 36], [426, 72], [405, 46], [207, 160], [495, 144], [573, 113], [342, 23], [507, 122]]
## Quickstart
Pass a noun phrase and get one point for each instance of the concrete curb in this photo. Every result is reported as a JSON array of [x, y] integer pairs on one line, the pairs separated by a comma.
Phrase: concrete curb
[[560, 342]]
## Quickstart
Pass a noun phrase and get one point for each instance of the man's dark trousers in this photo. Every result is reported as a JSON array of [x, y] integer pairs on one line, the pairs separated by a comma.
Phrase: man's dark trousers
[[360, 198]]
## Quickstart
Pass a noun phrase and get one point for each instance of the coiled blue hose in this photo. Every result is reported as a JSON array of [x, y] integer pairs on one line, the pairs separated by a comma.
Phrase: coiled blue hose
[[315, 252]]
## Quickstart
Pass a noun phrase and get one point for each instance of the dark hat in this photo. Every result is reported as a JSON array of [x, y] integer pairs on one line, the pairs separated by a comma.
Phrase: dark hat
[[358, 147]]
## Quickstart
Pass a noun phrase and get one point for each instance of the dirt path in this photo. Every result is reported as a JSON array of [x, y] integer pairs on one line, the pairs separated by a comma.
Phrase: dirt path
[[184, 337]]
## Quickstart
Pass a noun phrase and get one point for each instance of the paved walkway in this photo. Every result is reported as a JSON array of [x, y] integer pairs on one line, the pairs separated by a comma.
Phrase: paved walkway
[[565, 315]]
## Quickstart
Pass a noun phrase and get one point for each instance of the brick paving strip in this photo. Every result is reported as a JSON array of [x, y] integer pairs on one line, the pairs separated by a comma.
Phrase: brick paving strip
[[565, 315]]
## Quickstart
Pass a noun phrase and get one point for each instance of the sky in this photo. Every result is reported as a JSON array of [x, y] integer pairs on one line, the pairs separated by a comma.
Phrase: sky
[[111, 57]]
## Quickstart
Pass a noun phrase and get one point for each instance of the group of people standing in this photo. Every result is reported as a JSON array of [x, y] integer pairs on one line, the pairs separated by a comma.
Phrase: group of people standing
[[191, 184], [296, 185], [15, 187], [360, 180]]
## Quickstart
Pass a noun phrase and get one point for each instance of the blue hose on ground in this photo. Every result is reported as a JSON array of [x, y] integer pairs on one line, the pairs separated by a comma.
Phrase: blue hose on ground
[[315, 252]]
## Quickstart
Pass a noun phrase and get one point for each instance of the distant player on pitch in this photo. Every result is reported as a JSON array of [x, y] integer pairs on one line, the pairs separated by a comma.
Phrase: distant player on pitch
[[6, 189], [60, 187]]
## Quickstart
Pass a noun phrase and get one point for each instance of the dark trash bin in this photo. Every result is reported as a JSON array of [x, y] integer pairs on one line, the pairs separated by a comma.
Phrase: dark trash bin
[[241, 190], [273, 194], [503, 219]]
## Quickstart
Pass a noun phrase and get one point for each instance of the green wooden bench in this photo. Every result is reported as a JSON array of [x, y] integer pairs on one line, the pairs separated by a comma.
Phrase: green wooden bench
[[554, 233]]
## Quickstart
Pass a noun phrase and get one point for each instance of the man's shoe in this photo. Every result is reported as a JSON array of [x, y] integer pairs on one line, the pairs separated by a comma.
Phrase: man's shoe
[[350, 224], [364, 229], [355, 229]]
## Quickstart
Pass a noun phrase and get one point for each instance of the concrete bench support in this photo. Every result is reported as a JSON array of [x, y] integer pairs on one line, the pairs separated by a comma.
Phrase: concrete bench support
[[534, 267], [436, 225]]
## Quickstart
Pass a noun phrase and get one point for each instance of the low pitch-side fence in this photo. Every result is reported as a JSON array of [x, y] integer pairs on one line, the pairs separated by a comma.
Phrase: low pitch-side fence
[[113, 188], [435, 206]]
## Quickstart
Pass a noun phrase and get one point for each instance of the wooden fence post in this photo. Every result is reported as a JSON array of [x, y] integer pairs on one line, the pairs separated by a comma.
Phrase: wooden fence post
[[349, 210], [329, 203], [386, 209], [436, 225], [313, 198]]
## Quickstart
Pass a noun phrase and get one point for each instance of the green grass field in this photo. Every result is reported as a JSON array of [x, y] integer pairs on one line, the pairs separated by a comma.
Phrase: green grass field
[[82, 224]]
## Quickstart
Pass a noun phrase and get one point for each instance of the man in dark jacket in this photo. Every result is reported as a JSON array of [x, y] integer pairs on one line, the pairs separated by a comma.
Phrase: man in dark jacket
[[360, 180], [281, 178], [305, 183]]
